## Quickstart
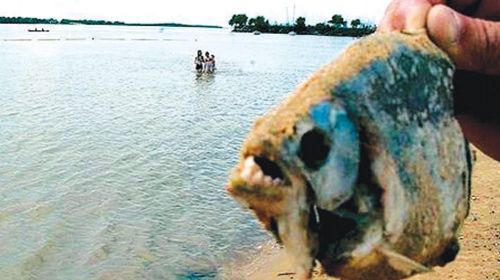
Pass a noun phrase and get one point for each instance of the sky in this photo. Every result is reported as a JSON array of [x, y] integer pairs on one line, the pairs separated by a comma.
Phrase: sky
[[206, 12]]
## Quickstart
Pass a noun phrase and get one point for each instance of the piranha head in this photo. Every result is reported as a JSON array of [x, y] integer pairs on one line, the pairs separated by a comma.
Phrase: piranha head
[[295, 167], [363, 167]]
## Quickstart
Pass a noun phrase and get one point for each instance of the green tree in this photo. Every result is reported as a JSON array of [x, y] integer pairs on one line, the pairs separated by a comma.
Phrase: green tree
[[337, 21], [321, 28], [259, 23], [300, 25], [238, 21], [355, 23]]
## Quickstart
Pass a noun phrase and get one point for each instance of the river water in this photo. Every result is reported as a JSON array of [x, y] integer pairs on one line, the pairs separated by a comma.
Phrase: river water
[[114, 151]]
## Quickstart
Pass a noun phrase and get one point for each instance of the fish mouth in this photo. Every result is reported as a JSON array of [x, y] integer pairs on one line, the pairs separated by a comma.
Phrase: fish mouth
[[265, 180], [262, 171], [260, 185], [263, 186]]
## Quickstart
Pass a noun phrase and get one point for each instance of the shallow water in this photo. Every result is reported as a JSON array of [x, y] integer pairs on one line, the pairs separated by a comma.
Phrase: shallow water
[[114, 151]]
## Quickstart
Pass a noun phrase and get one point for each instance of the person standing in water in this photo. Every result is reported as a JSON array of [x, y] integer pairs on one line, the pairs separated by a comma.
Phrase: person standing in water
[[207, 61], [198, 61], [213, 63]]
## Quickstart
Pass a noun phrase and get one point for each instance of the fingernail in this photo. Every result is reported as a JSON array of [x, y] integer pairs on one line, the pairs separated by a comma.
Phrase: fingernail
[[443, 25]]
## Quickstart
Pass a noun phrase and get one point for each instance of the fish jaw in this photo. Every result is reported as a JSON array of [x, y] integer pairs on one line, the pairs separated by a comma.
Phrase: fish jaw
[[281, 205]]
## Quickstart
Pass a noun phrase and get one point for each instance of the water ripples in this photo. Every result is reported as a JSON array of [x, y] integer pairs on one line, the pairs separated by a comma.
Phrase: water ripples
[[114, 154]]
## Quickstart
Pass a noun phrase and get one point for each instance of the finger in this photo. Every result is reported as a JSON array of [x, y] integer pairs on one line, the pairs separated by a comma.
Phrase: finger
[[473, 44], [393, 19], [484, 135], [406, 15]]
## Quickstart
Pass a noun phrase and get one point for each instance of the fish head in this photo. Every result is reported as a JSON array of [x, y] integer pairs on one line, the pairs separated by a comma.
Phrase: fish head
[[289, 169], [363, 167]]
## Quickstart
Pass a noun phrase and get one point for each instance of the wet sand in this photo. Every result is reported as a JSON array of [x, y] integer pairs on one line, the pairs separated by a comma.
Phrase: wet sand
[[479, 257]]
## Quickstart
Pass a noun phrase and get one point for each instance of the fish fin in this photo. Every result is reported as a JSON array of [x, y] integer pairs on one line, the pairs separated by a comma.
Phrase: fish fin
[[402, 263]]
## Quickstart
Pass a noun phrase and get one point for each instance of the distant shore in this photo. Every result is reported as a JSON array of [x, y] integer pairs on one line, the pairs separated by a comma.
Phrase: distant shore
[[337, 31], [28, 20], [336, 26]]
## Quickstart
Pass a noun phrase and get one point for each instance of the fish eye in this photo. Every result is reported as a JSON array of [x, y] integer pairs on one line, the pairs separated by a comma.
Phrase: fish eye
[[314, 148]]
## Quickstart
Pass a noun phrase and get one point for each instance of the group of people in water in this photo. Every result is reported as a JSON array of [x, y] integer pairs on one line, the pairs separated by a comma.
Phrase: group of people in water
[[204, 64]]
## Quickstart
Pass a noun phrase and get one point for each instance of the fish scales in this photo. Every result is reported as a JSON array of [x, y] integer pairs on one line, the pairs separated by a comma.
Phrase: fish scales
[[363, 167]]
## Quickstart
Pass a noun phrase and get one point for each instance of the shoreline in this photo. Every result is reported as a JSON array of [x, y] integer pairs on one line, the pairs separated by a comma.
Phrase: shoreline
[[479, 256]]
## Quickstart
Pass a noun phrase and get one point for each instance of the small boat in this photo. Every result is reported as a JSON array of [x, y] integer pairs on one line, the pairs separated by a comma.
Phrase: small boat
[[256, 32], [292, 33], [38, 30]]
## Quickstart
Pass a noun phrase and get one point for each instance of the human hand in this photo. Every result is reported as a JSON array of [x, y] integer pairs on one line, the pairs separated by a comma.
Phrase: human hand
[[465, 29], [406, 15], [469, 32]]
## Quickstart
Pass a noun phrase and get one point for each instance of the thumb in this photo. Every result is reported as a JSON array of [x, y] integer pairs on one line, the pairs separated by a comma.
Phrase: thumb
[[472, 43]]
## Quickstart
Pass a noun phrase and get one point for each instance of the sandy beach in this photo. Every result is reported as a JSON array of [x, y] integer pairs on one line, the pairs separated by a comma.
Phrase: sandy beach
[[479, 257]]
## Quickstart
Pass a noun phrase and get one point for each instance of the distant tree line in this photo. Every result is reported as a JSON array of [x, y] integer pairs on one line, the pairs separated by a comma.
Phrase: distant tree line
[[91, 22], [27, 20], [336, 26]]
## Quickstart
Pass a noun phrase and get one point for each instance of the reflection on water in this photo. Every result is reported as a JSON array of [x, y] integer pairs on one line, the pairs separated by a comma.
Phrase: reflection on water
[[204, 79], [113, 154]]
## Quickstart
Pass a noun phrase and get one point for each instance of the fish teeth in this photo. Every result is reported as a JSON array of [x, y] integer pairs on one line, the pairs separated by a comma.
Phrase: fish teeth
[[253, 174], [249, 163], [245, 174], [257, 177], [249, 167], [268, 180]]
